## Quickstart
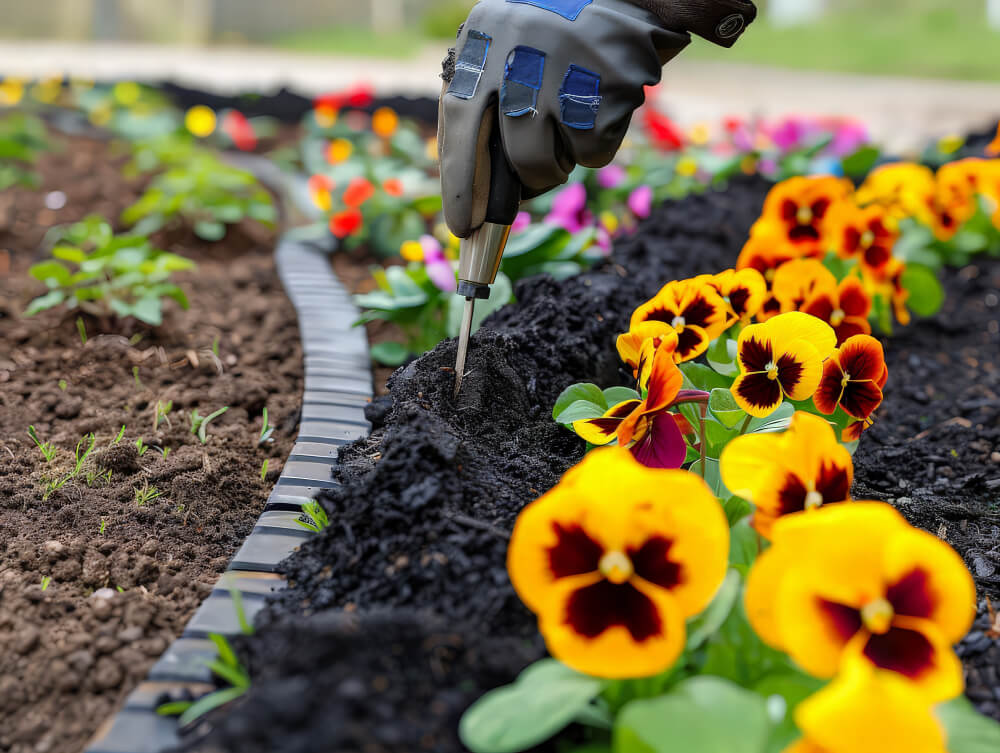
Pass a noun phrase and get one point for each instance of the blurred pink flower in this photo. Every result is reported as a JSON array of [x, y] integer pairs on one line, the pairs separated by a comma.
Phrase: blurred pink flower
[[569, 209], [603, 240], [611, 176], [641, 201], [522, 221], [848, 138], [439, 269], [790, 134]]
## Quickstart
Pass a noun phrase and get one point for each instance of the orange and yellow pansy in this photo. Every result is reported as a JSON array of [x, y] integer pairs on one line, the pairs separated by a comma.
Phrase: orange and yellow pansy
[[853, 378], [866, 234], [636, 346], [866, 710], [797, 281], [691, 308], [904, 189], [654, 435], [782, 357], [797, 471], [613, 561], [857, 582], [801, 208], [846, 308], [744, 292]]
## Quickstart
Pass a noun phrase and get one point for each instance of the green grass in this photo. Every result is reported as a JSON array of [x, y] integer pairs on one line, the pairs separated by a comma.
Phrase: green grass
[[927, 41], [353, 42]]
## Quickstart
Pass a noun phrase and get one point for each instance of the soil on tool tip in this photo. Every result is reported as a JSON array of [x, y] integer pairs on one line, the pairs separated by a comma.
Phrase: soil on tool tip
[[93, 585]]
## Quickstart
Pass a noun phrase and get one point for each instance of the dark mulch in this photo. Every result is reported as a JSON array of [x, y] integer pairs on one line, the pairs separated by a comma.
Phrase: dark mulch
[[68, 656]]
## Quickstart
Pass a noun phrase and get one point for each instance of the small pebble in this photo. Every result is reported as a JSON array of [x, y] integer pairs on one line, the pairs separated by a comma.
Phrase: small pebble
[[55, 200]]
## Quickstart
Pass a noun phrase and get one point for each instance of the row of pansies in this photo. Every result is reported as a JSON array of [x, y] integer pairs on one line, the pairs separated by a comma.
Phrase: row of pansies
[[748, 603]]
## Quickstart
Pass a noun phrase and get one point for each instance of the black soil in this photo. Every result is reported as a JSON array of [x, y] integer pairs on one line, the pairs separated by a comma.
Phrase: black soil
[[421, 523]]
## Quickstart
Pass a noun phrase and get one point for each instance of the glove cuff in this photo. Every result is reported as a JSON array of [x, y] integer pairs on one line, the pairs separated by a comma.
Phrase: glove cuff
[[718, 21]]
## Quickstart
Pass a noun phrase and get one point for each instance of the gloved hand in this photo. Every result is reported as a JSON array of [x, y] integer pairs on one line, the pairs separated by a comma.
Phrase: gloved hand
[[562, 79]]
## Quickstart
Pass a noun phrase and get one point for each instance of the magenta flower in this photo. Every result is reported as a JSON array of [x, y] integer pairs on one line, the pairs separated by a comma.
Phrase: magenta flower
[[848, 138], [439, 269], [611, 176], [521, 222], [641, 201], [569, 209], [790, 134]]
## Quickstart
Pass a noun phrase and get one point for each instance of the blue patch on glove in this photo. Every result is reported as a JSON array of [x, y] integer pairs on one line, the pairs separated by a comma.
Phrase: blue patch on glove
[[522, 80], [580, 98], [568, 9], [469, 66]]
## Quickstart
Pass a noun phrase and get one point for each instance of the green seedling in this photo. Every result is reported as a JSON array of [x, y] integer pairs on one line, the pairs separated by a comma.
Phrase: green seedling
[[95, 271], [215, 346], [266, 431], [314, 517], [135, 377], [146, 493], [63, 384], [22, 137], [226, 666], [82, 329], [162, 413], [121, 433], [104, 525], [80, 457], [199, 424], [48, 450], [95, 476], [45, 582], [164, 452], [204, 193], [141, 446], [119, 589], [263, 469]]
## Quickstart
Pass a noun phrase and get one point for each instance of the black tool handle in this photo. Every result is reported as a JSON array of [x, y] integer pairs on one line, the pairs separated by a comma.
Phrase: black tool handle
[[505, 187]]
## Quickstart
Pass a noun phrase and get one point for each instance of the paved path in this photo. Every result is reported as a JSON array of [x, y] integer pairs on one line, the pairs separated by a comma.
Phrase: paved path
[[901, 113]]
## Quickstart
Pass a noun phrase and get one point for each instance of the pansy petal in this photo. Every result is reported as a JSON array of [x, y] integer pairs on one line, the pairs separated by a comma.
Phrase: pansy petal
[[915, 650], [757, 394], [854, 301], [865, 711], [754, 348], [665, 382], [860, 399], [760, 598], [663, 446], [830, 388], [863, 358], [795, 325], [614, 631], [741, 462], [800, 368], [928, 579], [601, 431]]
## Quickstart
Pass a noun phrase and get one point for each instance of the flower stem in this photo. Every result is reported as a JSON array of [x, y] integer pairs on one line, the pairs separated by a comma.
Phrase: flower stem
[[704, 443], [746, 425]]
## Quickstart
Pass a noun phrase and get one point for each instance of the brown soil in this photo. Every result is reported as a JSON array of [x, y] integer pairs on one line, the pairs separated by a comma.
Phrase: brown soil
[[93, 585]]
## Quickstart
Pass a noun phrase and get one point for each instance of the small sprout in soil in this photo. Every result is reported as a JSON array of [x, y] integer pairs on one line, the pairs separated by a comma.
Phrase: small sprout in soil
[[82, 329], [48, 450], [98, 475], [314, 517], [162, 413], [136, 339], [141, 446], [121, 433], [104, 524], [135, 377], [199, 424], [266, 431], [82, 458], [63, 384], [119, 589], [263, 469], [146, 493], [45, 582], [215, 346], [226, 667], [165, 451], [954, 453]]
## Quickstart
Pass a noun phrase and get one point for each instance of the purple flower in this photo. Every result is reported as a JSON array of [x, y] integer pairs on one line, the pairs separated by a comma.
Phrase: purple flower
[[611, 176], [848, 138], [742, 138], [663, 446], [641, 201], [789, 134], [569, 209], [603, 240], [439, 269]]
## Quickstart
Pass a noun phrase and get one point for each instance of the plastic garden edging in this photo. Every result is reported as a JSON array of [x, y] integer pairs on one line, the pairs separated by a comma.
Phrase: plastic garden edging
[[338, 384]]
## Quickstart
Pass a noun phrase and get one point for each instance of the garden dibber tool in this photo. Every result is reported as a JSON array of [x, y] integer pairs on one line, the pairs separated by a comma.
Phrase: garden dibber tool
[[481, 252]]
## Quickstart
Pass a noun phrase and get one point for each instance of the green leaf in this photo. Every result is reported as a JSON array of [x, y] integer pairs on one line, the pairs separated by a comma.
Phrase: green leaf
[[148, 310], [700, 715], [776, 422], [744, 544], [210, 231], [736, 508], [858, 164], [52, 273], [926, 293], [546, 698], [580, 410], [209, 703], [389, 353], [589, 393], [792, 688], [615, 395], [725, 408], [968, 730], [721, 356], [49, 300], [702, 627], [69, 253], [697, 376], [712, 477]]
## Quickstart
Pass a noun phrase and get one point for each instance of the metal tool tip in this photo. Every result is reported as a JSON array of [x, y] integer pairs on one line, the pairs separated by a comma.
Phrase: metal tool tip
[[463, 343]]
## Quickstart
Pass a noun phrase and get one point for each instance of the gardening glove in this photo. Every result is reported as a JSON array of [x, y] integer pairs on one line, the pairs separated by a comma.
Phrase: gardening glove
[[561, 79]]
